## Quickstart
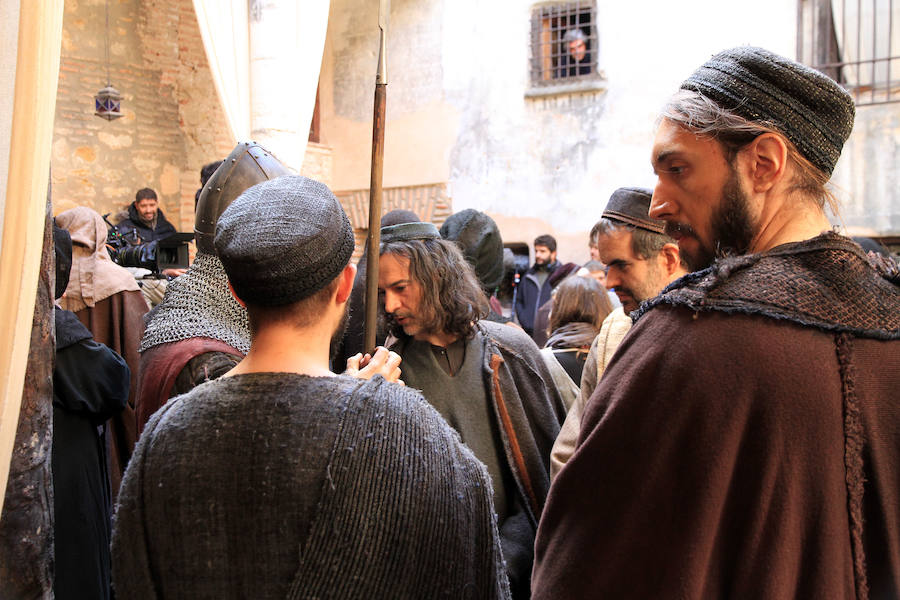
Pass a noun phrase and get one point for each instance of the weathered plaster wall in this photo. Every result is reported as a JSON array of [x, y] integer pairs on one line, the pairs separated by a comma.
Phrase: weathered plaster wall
[[173, 122], [458, 112], [867, 177], [421, 126], [552, 162]]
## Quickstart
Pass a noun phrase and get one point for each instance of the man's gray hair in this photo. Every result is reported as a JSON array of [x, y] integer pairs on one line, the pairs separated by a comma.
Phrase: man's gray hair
[[574, 34], [645, 244]]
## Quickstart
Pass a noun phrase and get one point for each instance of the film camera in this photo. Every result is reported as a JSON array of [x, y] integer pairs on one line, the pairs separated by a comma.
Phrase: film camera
[[127, 250]]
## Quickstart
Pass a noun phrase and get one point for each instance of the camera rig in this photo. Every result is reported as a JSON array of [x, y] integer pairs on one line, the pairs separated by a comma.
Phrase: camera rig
[[127, 250]]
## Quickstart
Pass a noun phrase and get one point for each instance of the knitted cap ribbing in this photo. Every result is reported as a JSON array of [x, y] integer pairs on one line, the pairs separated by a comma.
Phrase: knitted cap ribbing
[[808, 107], [283, 240]]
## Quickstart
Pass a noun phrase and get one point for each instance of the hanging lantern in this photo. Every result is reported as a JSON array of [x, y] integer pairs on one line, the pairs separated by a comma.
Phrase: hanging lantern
[[108, 103]]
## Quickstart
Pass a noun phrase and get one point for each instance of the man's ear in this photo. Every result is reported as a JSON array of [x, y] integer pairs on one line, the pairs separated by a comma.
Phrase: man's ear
[[766, 159], [233, 293], [670, 257], [345, 286]]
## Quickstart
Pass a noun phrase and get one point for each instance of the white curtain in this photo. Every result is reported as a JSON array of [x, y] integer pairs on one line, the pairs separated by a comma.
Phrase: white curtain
[[265, 56], [863, 31], [225, 29], [28, 134], [287, 38]]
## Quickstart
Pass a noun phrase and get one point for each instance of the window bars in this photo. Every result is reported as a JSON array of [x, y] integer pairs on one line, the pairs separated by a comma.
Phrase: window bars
[[856, 43], [563, 43]]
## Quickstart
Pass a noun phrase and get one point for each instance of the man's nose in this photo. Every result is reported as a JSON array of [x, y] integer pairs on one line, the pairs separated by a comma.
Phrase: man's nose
[[390, 302], [612, 280], [660, 204]]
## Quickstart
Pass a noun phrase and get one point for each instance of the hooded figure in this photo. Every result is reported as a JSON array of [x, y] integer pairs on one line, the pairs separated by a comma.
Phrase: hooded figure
[[106, 299]]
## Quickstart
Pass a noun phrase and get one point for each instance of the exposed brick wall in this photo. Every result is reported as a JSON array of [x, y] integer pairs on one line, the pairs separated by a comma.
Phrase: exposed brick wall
[[173, 122]]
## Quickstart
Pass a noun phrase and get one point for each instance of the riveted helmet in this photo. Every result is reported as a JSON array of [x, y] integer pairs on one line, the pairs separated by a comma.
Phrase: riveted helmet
[[248, 164]]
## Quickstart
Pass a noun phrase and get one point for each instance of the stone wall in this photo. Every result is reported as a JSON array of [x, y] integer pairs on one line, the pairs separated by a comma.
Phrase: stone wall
[[172, 124], [460, 111]]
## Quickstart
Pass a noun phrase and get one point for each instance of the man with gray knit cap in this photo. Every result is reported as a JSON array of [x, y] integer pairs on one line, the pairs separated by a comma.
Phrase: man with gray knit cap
[[284, 480], [744, 440]]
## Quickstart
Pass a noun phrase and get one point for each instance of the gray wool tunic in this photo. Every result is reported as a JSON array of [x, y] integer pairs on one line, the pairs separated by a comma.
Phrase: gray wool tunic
[[287, 486]]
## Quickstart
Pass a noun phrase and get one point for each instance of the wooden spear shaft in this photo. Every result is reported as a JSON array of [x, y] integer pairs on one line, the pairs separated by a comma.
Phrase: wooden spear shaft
[[375, 192]]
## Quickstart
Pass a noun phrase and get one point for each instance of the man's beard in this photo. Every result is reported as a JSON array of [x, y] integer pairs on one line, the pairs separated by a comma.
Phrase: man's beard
[[731, 227]]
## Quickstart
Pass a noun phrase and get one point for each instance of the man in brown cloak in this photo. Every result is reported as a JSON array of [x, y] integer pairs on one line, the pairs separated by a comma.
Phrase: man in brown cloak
[[744, 441]]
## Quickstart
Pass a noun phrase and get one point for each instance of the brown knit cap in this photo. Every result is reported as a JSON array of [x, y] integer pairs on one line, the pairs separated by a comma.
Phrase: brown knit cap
[[808, 107]]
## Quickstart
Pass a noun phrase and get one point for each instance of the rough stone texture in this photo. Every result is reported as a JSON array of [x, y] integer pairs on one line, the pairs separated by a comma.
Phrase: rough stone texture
[[173, 122], [26, 525], [430, 202], [317, 163]]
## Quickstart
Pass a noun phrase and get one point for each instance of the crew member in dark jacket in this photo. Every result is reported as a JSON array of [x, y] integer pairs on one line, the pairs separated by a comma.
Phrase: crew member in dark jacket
[[535, 288], [145, 221]]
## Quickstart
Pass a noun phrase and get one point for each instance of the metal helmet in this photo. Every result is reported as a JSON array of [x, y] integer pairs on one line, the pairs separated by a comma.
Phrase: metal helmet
[[248, 164]]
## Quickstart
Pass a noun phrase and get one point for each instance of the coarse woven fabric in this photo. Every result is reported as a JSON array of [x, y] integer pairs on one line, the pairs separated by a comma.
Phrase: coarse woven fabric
[[479, 239], [283, 240], [813, 111], [199, 304], [803, 282], [631, 205], [771, 432], [275, 485]]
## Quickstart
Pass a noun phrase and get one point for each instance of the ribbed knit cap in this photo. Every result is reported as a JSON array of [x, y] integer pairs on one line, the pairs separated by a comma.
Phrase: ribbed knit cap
[[809, 108], [479, 238], [283, 240]]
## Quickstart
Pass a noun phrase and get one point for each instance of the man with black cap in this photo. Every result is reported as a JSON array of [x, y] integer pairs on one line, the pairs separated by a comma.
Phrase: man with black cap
[[642, 260], [284, 480], [487, 380], [744, 441], [478, 236]]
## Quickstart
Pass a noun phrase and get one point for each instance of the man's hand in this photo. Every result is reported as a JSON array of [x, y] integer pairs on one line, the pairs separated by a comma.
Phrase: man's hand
[[384, 363], [173, 272]]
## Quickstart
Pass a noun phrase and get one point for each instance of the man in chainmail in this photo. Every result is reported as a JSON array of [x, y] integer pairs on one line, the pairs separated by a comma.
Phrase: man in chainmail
[[284, 480], [199, 331], [744, 441]]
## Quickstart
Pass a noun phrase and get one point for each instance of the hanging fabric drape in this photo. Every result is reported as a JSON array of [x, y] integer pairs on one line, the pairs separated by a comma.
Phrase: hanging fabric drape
[[265, 58], [224, 27], [28, 135]]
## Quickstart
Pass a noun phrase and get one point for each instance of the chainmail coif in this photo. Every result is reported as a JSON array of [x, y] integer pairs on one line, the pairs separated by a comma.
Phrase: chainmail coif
[[826, 282], [199, 304]]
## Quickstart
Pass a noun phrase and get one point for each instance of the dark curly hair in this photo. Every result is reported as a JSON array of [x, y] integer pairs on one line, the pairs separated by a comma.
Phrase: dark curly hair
[[452, 300]]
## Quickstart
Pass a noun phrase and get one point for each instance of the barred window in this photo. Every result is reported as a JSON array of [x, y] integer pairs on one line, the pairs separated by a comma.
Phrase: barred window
[[856, 43], [563, 43]]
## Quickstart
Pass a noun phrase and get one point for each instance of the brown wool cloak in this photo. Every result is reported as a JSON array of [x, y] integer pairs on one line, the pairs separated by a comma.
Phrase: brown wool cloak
[[118, 322], [731, 451]]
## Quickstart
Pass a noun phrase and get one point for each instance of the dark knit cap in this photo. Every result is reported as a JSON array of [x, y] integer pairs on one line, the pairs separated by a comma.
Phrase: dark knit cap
[[398, 216], [479, 238], [809, 108], [405, 232], [283, 240], [631, 205]]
